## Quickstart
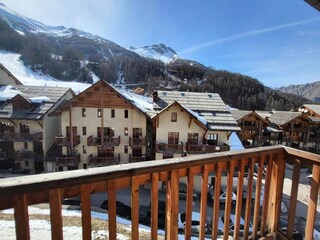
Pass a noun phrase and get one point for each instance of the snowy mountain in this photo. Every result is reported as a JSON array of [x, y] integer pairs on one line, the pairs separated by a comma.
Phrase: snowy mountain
[[157, 51], [309, 90]]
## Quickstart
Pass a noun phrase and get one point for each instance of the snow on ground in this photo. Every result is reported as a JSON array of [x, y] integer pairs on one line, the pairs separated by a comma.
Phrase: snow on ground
[[28, 77]]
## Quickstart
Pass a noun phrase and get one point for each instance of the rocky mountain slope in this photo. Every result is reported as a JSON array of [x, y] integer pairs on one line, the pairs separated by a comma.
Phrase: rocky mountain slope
[[310, 90], [70, 54]]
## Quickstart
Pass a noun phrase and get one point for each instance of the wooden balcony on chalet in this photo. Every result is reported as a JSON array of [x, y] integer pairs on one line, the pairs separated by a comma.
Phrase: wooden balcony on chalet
[[21, 137], [201, 148], [107, 141], [250, 128], [163, 147], [137, 142], [292, 139], [95, 161], [133, 159], [21, 192], [68, 161], [66, 141], [27, 155], [247, 136]]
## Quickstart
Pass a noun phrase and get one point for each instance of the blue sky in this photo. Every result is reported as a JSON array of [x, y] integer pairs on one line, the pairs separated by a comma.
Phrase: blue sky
[[275, 41]]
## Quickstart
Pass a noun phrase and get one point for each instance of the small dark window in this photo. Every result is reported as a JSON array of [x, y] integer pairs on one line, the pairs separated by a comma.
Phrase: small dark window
[[174, 117], [84, 131], [26, 145], [85, 166], [99, 112], [126, 131], [126, 149], [113, 114], [84, 150], [126, 113], [83, 112], [26, 163]]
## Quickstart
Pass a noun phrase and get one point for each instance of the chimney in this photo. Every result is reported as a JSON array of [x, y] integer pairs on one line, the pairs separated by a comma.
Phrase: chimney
[[155, 96]]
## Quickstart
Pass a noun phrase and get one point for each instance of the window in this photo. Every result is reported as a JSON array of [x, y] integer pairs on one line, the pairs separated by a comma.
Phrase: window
[[99, 112], [126, 149], [173, 138], [193, 138], [84, 150], [212, 139], [83, 112], [25, 145], [126, 131], [26, 163], [24, 128], [84, 131], [113, 114], [126, 113], [137, 132], [174, 117]]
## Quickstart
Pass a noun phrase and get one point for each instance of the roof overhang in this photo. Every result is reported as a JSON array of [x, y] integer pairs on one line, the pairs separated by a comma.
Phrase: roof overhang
[[314, 3]]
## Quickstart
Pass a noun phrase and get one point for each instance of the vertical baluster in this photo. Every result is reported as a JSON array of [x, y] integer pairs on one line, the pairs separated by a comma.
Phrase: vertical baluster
[[189, 204], [239, 199], [258, 195], [249, 199], [216, 201], [276, 188], [203, 203], [21, 217], [312, 206], [86, 211], [112, 214], [293, 197], [55, 214], [228, 203], [154, 206], [266, 196], [135, 207]]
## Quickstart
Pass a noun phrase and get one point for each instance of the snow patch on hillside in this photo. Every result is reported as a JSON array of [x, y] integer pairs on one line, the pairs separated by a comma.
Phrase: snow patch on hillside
[[28, 77]]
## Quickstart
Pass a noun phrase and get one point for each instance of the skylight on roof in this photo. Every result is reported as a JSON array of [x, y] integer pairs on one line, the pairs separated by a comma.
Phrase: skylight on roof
[[164, 93], [209, 95], [182, 94]]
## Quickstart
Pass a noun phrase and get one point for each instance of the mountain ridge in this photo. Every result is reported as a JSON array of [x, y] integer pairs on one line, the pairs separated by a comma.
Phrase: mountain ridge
[[309, 90]]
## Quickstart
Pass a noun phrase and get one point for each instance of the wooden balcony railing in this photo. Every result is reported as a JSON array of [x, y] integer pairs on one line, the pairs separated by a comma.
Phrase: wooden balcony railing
[[27, 155], [175, 148], [21, 137], [133, 159], [95, 161], [20, 192], [72, 161], [250, 128], [137, 142], [107, 141], [198, 149], [65, 141]]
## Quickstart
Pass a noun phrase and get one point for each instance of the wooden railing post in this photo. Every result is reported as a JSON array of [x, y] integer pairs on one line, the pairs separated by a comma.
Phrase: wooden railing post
[[112, 214], [203, 203], [172, 206], [21, 217], [189, 203], [239, 198], [154, 206], [86, 212], [276, 188], [312, 207], [247, 214], [55, 214], [216, 201], [135, 207]]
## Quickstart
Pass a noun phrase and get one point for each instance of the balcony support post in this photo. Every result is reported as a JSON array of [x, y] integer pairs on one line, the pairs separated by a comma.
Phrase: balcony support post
[[21, 216], [189, 203], [55, 214], [276, 187], [249, 197], [135, 207], [216, 201], [154, 206], [312, 206], [86, 211], [172, 206], [112, 214], [203, 203], [239, 198]]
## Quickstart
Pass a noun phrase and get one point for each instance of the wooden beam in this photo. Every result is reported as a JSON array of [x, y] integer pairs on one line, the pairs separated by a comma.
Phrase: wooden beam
[[203, 202], [135, 208], [154, 206], [112, 215], [249, 199], [190, 121], [189, 203], [70, 128], [239, 199], [86, 211], [293, 197], [56, 214], [227, 210], [216, 201], [21, 217], [312, 206], [40, 124]]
